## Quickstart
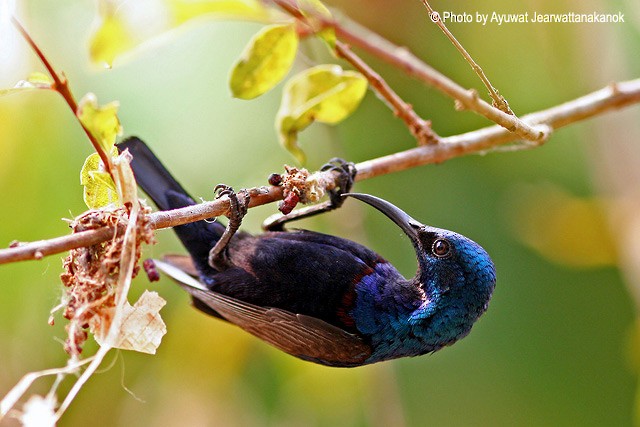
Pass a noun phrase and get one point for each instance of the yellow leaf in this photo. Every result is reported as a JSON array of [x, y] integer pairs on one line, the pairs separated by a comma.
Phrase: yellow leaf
[[264, 62], [312, 9], [325, 93], [112, 38], [101, 122], [185, 10], [99, 188]]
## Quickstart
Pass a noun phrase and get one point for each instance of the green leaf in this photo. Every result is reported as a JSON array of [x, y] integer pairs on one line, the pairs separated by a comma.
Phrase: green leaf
[[264, 62], [185, 10], [112, 38], [99, 188], [101, 122], [312, 9], [35, 80], [325, 93]]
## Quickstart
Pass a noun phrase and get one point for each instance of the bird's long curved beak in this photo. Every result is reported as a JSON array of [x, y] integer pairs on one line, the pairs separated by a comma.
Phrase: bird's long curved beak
[[409, 225]]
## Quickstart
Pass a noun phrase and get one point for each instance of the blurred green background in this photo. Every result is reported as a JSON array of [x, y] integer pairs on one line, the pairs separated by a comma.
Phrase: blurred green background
[[559, 344]]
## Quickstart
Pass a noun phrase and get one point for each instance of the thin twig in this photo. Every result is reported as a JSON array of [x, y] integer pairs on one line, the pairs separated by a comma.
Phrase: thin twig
[[498, 100], [12, 397], [61, 85], [612, 97], [420, 128]]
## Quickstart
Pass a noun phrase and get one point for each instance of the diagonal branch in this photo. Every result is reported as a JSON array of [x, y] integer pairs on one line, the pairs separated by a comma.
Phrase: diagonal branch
[[400, 57], [612, 97]]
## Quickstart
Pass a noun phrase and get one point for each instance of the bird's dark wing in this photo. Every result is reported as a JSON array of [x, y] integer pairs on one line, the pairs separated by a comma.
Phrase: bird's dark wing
[[301, 272], [354, 249], [302, 336]]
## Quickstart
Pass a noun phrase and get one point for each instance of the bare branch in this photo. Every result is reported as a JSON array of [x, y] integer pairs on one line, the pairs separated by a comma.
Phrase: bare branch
[[613, 97], [162, 219], [165, 219], [355, 34], [400, 57], [41, 248]]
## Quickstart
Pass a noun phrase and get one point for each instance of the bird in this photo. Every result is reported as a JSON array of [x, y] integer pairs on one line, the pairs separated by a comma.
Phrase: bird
[[323, 298]]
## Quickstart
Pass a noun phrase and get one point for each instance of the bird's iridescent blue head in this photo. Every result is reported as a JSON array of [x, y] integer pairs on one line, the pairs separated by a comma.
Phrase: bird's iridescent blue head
[[452, 268]]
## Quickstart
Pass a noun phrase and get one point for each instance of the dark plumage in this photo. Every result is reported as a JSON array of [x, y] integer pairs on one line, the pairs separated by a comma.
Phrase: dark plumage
[[324, 298]]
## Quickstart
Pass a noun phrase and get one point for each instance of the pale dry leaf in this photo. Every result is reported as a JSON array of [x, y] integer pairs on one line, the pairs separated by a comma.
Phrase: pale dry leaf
[[141, 328]]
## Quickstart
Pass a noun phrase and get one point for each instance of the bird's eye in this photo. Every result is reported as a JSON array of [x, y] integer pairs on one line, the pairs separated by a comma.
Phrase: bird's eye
[[441, 248]]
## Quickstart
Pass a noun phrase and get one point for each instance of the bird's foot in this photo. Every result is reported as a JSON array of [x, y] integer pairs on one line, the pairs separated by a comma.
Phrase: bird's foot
[[346, 177], [238, 207]]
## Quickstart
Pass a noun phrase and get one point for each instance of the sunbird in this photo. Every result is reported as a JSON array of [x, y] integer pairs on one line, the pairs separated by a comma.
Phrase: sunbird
[[319, 297]]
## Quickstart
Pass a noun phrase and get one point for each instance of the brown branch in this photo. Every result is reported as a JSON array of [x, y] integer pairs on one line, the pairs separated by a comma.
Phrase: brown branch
[[41, 248], [613, 97], [362, 37]]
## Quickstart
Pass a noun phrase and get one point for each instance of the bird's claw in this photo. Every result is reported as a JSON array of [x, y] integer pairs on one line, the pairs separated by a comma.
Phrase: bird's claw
[[238, 207], [346, 177], [238, 202]]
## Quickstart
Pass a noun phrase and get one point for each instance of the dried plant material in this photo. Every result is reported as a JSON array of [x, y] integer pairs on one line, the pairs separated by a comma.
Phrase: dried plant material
[[39, 412], [294, 180], [114, 263], [300, 186], [141, 328], [91, 273], [308, 187], [317, 185]]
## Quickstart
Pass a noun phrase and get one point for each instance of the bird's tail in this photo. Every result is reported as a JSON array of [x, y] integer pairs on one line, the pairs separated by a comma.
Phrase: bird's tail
[[167, 193]]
